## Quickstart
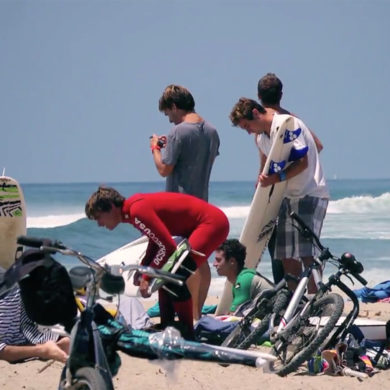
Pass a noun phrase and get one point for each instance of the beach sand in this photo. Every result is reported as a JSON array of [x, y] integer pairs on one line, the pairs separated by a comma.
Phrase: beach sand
[[136, 373]]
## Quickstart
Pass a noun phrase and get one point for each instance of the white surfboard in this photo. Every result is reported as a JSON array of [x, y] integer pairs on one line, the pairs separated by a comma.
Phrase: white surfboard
[[131, 253], [265, 204], [12, 219], [371, 329]]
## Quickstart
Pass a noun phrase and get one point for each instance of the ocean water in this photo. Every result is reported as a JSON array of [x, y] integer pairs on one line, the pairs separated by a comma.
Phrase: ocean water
[[357, 221]]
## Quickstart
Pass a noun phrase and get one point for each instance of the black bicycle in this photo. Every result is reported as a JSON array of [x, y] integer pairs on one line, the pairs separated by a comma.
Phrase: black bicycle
[[96, 336]]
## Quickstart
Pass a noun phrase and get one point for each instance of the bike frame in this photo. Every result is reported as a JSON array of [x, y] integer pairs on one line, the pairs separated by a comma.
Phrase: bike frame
[[299, 292]]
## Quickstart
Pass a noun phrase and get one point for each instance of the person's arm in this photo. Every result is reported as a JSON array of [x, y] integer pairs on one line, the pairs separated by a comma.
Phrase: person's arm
[[292, 170], [317, 141], [163, 169], [262, 160], [46, 351]]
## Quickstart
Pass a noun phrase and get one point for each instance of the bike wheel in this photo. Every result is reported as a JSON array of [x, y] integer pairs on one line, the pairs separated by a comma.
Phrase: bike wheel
[[88, 378], [306, 336], [276, 306], [237, 335]]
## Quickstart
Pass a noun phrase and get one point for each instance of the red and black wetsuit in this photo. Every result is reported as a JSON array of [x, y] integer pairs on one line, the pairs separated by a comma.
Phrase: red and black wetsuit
[[165, 214]]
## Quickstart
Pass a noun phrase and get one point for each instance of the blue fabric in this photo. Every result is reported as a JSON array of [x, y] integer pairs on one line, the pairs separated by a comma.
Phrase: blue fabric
[[276, 166], [373, 294], [291, 135], [296, 154], [213, 331]]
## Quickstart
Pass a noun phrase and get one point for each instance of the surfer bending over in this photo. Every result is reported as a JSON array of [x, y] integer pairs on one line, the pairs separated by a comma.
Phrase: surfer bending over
[[160, 216], [306, 191], [247, 283]]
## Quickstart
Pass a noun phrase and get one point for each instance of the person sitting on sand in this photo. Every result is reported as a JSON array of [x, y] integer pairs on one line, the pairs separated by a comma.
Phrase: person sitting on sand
[[247, 283], [160, 216], [21, 339]]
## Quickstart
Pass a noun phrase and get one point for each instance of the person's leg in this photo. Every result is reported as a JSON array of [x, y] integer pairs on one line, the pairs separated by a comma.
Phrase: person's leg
[[193, 284], [312, 288], [292, 267], [205, 239], [185, 315], [167, 312], [290, 241], [199, 284], [277, 265]]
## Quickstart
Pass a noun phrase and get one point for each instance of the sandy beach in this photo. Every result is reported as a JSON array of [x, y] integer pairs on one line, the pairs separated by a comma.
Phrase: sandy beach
[[143, 374]]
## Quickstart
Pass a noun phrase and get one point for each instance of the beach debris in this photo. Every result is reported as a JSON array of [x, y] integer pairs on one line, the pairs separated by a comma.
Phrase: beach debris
[[47, 365]]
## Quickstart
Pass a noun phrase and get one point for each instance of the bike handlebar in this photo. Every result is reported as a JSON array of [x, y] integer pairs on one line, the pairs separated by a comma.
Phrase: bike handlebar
[[36, 242], [360, 279], [48, 245]]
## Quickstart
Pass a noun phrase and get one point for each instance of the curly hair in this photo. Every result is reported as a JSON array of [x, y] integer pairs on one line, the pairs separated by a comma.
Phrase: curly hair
[[233, 248], [102, 201], [243, 109]]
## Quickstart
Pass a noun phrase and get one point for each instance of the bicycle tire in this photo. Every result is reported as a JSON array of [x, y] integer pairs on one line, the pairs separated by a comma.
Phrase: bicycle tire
[[88, 378], [243, 328], [281, 301], [306, 338], [237, 335]]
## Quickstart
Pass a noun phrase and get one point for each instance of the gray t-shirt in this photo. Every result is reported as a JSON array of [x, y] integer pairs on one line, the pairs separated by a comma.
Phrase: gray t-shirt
[[191, 148]]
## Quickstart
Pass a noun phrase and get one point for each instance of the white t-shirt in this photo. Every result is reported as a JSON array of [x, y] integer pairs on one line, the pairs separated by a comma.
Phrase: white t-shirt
[[311, 181]]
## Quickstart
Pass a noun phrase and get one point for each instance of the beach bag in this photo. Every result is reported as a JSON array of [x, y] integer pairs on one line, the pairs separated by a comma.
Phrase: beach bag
[[46, 289], [212, 330]]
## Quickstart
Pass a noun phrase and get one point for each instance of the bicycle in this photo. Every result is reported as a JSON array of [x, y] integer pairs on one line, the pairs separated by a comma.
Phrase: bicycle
[[268, 302], [301, 331], [292, 319], [96, 336]]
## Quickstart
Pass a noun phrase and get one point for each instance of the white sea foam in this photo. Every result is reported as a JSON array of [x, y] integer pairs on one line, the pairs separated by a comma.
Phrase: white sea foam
[[364, 217], [361, 205], [51, 221], [236, 212]]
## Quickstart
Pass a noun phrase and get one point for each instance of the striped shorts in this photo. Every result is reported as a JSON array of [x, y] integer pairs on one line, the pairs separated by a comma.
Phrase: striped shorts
[[290, 244]]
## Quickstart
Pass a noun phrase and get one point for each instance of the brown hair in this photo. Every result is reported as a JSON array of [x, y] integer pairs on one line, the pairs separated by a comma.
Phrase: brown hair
[[103, 200], [269, 89], [243, 109], [232, 248], [176, 95]]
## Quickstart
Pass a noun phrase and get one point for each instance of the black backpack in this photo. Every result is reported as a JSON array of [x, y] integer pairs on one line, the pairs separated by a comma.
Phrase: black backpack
[[46, 289]]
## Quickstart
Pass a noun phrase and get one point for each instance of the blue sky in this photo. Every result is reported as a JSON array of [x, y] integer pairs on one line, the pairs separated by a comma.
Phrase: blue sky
[[80, 81]]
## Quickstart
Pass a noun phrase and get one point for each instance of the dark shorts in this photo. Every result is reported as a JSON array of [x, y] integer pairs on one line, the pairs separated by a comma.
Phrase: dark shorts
[[290, 244]]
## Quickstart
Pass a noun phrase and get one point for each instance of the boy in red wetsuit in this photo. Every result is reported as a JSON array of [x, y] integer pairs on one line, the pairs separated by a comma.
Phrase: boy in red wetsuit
[[160, 216]]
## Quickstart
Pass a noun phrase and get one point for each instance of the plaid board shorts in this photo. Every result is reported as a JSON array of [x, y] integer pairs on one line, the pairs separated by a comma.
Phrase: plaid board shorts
[[290, 244]]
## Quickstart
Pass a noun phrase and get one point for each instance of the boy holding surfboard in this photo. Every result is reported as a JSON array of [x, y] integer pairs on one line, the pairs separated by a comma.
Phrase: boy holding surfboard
[[270, 92], [306, 191]]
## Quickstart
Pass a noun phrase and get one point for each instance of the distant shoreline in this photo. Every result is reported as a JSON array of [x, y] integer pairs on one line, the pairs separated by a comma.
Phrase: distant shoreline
[[163, 183]]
